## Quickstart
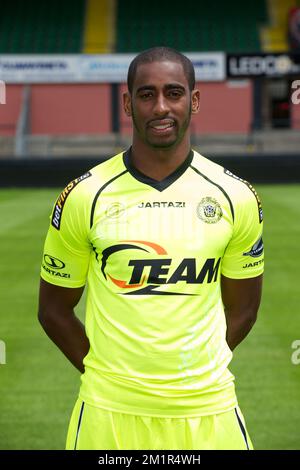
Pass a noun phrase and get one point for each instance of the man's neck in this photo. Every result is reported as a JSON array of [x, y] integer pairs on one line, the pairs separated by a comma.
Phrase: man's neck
[[158, 163]]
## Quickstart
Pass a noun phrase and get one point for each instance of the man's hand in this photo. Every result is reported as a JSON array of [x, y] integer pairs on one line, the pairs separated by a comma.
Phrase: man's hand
[[56, 315], [241, 299]]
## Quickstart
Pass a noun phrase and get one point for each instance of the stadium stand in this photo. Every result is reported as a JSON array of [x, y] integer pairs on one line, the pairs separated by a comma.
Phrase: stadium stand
[[73, 124], [274, 37], [99, 31], [227, 26], [40, 27]]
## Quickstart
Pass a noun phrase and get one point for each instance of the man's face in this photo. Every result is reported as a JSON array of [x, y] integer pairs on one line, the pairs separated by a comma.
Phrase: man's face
[[161, 104]]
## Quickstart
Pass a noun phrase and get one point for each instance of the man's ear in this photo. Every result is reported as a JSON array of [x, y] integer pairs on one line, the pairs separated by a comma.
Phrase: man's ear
[[195, 101], [127, 103]]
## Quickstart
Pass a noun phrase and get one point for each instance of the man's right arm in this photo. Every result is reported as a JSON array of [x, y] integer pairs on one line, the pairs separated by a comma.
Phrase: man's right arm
[[57, 317], [64, 269]]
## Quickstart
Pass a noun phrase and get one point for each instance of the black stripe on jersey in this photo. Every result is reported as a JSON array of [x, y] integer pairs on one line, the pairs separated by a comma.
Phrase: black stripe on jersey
[[242, 428], [113, 249], [218, 186], [79, 423], [252, 189], [100, 191], [159, 185]]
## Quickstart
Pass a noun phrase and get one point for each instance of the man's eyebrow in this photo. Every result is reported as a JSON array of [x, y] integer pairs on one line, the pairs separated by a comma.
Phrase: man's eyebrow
[[169, 86], [174, 85], [145, 87]]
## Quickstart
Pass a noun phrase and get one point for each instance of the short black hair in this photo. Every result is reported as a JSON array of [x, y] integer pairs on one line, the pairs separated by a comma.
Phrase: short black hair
[[160, 54]]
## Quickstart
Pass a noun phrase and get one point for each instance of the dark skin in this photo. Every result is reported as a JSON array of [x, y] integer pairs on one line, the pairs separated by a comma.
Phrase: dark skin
[[160, 105], [57, 317], [241, 300], [160, 96]]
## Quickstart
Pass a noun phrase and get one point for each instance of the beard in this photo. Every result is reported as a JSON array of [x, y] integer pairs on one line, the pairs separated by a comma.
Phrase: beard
[[159, 143]]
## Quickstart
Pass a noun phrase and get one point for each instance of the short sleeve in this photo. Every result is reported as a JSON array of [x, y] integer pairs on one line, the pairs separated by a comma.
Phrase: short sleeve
[[244, 255], [67, 248]]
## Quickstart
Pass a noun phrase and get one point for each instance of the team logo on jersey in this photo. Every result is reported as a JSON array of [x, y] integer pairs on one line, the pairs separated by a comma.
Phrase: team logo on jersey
[[148, 274], [115, 210], [257, 249], [209, 210], [59, 205]]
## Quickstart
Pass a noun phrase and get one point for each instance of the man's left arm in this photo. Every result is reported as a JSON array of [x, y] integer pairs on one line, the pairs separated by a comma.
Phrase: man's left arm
[[241, 299]]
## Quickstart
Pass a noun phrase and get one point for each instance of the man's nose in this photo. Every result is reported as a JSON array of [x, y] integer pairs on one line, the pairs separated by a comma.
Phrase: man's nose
[[161, 105]]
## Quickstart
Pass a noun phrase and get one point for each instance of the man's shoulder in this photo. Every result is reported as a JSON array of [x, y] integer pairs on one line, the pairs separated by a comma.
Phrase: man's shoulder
[[108, 168], [96, 177], [78, 195], [235, 186]]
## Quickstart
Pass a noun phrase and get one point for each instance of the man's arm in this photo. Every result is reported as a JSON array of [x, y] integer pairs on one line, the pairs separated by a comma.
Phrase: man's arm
[[241, 299], [56, 315]]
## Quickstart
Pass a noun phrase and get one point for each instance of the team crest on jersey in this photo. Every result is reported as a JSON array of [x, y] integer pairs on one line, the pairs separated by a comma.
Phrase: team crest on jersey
[[209, 210]]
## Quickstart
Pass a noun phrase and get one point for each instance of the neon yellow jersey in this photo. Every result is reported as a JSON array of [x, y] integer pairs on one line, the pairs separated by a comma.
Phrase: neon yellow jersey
[[151, 254]]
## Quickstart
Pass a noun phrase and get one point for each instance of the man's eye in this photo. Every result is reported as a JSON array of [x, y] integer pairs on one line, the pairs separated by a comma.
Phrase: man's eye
[[146, 95], [175, 94]]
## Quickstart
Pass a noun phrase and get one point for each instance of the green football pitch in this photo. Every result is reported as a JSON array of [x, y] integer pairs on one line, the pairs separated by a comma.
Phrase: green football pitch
[[38, 386]]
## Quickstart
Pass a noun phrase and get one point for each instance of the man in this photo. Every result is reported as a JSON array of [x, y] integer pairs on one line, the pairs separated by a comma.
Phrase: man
[[169, 244]]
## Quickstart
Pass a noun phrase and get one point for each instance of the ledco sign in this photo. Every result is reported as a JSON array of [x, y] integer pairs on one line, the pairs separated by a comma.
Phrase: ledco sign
[[259, 65]]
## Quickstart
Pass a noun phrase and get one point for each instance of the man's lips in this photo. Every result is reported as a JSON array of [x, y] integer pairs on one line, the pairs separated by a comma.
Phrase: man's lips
[[161, 124]]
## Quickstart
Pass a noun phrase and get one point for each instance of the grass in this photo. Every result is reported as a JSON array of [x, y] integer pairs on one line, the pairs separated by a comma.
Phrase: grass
[[38, 387]]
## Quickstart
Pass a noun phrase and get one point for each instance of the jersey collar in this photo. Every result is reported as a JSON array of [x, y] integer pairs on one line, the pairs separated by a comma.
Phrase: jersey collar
[[159, 185]]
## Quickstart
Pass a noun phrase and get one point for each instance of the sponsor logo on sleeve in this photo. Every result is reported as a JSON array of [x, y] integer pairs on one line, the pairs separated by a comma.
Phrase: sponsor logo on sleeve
[[54, 263], [59, 205], [53, 266], [254, 264], [259, 205], [256, 250]]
